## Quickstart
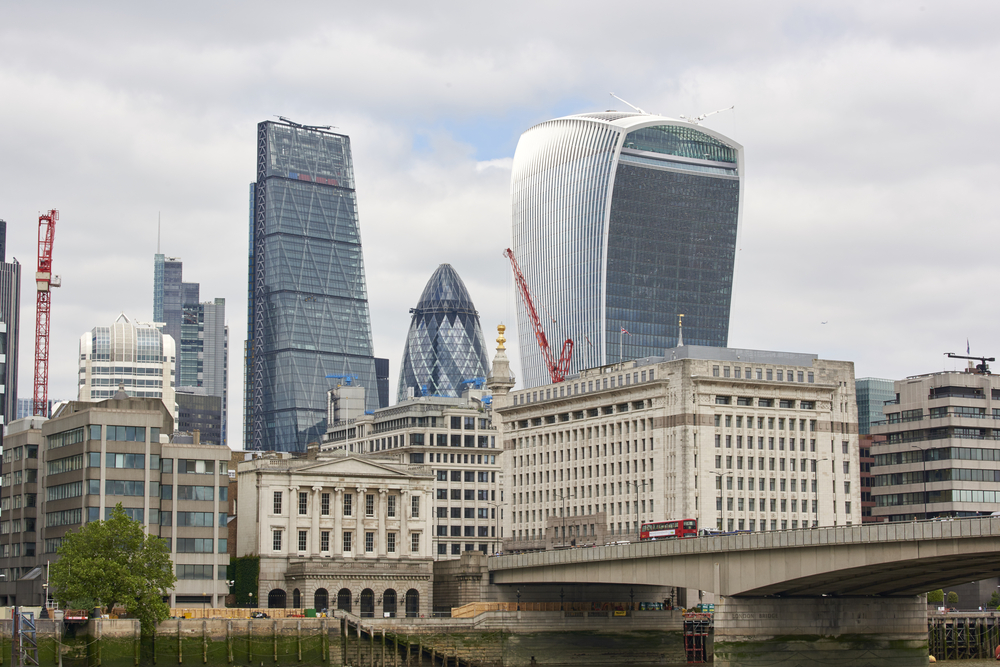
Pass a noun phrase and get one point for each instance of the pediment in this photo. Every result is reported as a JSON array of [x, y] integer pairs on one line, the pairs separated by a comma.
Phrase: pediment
[[353, 467]]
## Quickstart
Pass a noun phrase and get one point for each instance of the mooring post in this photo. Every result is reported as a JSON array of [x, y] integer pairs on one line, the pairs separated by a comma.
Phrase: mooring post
[[274, 637], [204, 641], [298, 639], [250, 640], [229, 640], [324, 649]]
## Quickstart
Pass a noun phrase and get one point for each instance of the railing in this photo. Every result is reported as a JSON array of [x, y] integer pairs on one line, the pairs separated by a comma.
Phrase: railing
[[233, 612], [474, 609]]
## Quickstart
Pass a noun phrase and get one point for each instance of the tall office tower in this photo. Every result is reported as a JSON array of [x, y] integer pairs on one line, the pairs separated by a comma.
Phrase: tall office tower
[[204, 357], [624, 221], [872, 395], [382, 381], [10, 313], [171, 293], [308, 303], [135, 355], [445, 344]]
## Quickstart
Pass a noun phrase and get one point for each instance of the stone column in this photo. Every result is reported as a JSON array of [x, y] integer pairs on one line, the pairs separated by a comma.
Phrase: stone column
[[338, 521], [403, 541], [359, 521], [381, 507], [291, 532], [317, 491]]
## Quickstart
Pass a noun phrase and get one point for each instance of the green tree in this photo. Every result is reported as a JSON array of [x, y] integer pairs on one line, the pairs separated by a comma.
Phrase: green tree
[[952, 598], [115, 563], [994, 600], [935, 596]]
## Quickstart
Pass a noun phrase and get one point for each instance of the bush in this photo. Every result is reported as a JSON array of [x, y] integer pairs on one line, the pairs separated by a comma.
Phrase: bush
[[935, 597], [952, 598]]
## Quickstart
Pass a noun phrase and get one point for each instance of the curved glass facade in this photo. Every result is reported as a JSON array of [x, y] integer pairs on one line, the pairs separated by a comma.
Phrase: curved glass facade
[[308, 303], [445, 344], [624, 220]]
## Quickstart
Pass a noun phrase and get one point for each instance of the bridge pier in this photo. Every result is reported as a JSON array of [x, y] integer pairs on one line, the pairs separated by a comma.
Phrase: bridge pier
[[876, 631]]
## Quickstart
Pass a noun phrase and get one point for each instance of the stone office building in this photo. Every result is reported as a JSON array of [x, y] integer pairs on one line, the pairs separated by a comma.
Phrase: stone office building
[[741, 440], [337, 531], [456, 439], [74, 468]]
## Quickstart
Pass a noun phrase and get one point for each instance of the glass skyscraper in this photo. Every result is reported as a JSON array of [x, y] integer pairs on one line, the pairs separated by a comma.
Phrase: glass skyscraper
[[445, 344], [872, 393], [624, 221], [308, 302], [10, 314]]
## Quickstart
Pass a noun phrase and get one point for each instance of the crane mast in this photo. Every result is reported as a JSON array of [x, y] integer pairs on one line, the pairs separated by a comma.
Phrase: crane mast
[[44, 281], [557, 371]]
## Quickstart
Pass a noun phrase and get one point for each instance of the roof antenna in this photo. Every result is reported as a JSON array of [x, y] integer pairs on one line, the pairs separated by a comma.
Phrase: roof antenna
[[629, 103], [305, 127], [157, 232]]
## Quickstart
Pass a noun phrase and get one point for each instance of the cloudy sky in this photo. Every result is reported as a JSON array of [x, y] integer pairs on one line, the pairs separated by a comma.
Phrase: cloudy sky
[[870, 134]]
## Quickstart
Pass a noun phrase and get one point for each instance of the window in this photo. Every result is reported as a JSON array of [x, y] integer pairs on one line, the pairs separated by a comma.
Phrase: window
[[390, 543], [324, 540], [195, 545], [348, 499], [197, 519], [347, 541], [195, 467], [303, 502], [415, 507], [194, 571], [185, 492], [303, 539], [113, 460], [369, 542], [415, 543], [325, 505], [276, 540], [277, 503], [390, 510], [370, 504]]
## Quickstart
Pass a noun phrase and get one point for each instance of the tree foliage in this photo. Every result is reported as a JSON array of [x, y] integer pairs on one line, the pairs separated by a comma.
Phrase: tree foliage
[[115, 563], [245, 572], [952, 598], [935, 596], [994, 600]]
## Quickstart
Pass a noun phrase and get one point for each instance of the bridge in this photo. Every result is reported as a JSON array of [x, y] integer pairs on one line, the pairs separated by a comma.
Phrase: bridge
[[853, 591]]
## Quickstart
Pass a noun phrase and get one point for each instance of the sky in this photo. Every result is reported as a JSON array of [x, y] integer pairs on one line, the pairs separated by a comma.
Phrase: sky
[[869, 132]]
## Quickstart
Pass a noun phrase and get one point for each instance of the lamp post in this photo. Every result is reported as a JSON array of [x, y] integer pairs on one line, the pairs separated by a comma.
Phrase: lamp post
[[519, 599], [496, 517], [923, 461], [631, 598], [722, 488], [562, 497], [561, 594], [250, 600]]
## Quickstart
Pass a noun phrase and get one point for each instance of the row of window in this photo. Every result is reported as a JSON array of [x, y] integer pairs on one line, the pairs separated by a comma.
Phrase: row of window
[[938, 454], [347, 541], [944, 496], [465, 494], [764, 403], [188, 572], [74, 516], [760, 422], [470, 476], [770, 374], [465, 512], [135, 462], [586, 387], [15, 453], [303, 504]]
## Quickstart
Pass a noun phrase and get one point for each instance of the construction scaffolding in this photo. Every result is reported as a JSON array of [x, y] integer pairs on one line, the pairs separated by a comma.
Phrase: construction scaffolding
[[697, 628]]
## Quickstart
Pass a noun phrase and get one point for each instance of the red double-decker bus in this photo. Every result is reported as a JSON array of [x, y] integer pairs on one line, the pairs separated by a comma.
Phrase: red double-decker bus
[[669, 530]]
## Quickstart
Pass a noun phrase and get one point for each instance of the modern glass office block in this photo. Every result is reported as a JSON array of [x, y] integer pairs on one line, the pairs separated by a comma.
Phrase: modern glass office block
[[624, 221], [445, 344], [308, 300]]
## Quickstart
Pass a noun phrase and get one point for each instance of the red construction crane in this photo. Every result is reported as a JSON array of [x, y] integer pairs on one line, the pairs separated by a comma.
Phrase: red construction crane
[[556, 371], [44, 280]]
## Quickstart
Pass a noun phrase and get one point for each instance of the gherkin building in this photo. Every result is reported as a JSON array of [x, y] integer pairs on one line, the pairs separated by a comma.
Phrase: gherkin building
[[445, 344]]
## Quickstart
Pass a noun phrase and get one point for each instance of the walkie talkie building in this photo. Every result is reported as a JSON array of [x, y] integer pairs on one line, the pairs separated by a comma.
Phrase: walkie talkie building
[[624, 221], [307, 302]]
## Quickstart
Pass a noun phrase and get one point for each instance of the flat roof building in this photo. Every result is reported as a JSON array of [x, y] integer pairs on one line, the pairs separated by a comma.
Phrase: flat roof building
[[937, 457], [624, 222], [741, 440]]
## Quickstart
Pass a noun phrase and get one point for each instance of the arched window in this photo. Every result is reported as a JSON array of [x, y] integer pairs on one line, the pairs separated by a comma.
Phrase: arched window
[[296, 599], [368, 603], [344, 599], [321, 599], [276, 599], [389, 603], [412, 603]]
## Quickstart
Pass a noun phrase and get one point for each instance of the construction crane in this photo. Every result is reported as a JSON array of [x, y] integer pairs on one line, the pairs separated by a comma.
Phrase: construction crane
[[982, 368], [347, 379], [44, 281], [557, 371]]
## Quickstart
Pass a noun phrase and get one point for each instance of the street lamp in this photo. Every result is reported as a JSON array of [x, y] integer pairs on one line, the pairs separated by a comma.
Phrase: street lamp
[[250, 603], [816, 463], [631, 599], [923, 461], [562, 497], [496, 516], [722, 487], [561, 594]]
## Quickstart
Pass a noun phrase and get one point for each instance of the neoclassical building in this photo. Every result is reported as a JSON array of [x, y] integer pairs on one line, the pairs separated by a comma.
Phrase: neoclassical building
[[335, 531]]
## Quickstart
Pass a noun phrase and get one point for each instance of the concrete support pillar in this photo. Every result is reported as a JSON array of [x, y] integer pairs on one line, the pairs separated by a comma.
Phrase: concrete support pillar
[[889, 632]]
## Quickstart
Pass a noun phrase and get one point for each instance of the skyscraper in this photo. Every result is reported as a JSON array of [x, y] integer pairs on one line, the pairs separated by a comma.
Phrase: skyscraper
[[445, 343], [10, 313], [204, 353], [308, 303], [171, 293], [872, 393], [622, 222]]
